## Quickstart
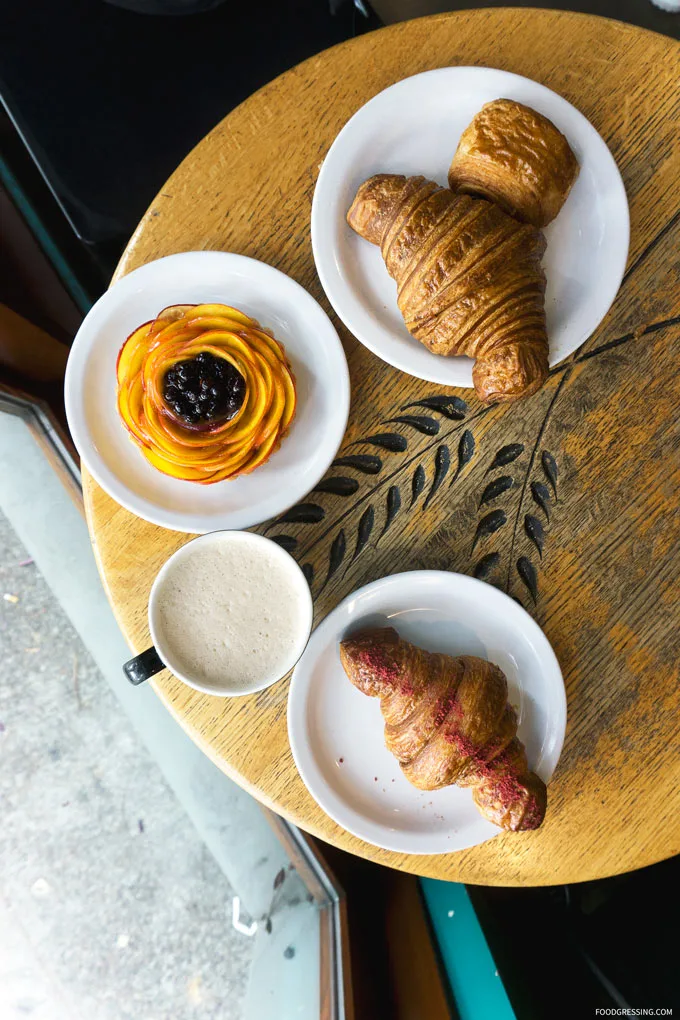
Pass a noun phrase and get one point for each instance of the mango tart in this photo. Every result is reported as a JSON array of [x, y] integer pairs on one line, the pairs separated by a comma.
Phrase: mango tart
[[205, 392]]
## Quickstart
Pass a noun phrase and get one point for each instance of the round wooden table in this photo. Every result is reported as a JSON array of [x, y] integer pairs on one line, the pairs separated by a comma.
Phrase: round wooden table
[[593, 458]]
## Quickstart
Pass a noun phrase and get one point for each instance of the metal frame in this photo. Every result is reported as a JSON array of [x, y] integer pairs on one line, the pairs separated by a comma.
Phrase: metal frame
[[336, 1001], [47, 432]]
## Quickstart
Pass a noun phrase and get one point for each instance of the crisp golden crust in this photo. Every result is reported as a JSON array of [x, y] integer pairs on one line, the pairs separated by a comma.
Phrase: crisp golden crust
[[517, 370], [517, 158], [469, 278], [447, 720]]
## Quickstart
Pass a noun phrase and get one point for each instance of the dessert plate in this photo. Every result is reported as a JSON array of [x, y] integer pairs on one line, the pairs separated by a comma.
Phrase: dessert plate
[[413, 127], [336, 732], [279, 304]]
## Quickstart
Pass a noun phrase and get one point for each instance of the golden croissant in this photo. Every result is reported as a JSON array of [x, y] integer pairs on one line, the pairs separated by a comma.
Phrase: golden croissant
[[469, 278], [447, 720], [517, 158]]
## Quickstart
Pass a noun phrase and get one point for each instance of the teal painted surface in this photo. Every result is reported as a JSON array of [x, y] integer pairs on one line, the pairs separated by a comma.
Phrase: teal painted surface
[[477, 989], [44, 239]]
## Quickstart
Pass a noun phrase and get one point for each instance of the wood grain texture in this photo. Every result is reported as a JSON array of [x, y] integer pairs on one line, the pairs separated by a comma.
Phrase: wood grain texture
[[418, 981], [568, 500]]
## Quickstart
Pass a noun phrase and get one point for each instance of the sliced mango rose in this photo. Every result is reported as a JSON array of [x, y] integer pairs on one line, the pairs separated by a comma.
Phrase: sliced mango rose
[[204, 450]]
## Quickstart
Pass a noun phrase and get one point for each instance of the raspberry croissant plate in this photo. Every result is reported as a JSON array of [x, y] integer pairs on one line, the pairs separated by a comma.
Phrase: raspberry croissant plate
[[427, 714]]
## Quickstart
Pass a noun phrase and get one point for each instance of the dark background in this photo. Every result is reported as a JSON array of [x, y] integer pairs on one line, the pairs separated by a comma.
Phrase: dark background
[[106, 101]]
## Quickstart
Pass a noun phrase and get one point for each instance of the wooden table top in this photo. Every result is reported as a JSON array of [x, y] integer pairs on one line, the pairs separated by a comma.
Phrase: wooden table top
[[593, 457]]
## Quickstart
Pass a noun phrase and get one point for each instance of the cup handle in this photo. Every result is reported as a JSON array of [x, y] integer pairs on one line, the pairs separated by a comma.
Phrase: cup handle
[[143, 666]]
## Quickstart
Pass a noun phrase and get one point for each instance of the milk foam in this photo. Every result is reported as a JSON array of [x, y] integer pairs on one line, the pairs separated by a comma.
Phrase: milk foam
[[231, 613]]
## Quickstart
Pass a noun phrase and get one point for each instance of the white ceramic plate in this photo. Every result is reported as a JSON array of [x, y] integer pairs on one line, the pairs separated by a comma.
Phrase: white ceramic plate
[[329, 719], [413, 127], [279, 304]]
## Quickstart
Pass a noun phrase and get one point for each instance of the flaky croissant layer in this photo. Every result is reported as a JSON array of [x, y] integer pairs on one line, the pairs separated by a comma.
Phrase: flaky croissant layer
[[469, 278], [447, 720], [518, 159]]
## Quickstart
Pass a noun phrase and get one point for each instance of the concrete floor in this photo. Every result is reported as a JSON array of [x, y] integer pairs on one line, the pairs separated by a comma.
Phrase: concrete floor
[[111, 906]]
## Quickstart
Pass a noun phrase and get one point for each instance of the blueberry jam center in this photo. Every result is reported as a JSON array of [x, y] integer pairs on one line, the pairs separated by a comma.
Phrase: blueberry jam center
[[204, 389]]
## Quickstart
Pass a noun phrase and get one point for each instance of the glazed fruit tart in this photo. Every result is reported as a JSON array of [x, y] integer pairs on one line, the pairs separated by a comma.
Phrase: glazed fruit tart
[[205, 392]]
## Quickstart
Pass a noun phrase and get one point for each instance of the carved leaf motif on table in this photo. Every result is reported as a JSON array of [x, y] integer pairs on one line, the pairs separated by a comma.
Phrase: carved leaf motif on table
[[517, 486]]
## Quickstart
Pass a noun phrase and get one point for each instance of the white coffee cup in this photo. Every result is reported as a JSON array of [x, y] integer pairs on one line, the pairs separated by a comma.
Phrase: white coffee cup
[[226, 635]]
